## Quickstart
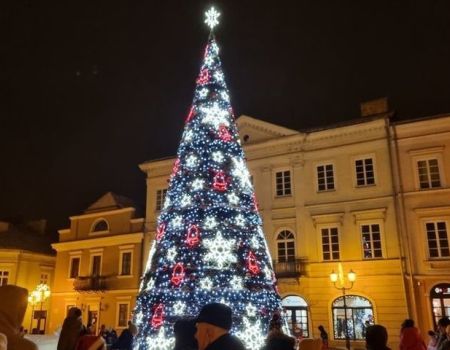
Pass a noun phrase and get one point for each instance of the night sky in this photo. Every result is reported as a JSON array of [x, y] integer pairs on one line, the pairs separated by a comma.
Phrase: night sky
[[90, 89]]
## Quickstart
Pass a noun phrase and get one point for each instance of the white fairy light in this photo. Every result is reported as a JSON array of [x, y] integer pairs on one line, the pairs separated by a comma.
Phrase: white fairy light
[[251, 310], [225, 95], [150, 284], [214, 48], [215, 115], [232, 198], [188, 135], [209, 60], [218, 157], [212, 17], [251, 334], [171, 253], [254, 242], [139, 318], [206, 283], [240, 220], [179, 307], [166, 202], [177, 222], [185, 200], [161, 342], [210, 222], [241, 172], [237, 283], [197, 184], [203, 93], [191, 161], [267, 273], [218, 76], [220, 251]]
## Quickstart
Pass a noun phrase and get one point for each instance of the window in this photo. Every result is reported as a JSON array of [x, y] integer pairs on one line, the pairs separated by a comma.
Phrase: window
[[125, 263], [325, 177], [96, 265], [4, 276], [364, 172], [160, 197], [44, 278], [100, 226], [122, 315], [296, 314], [428, 170], [371, 241], [283, 183], [358, 312], [286, 246], [437, 238], [330, 243], [74, 267], [440, 301]]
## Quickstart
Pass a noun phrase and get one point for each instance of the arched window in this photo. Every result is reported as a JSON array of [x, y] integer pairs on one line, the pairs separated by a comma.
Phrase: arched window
[[286, 246], [295, 311], [359, 316], [100, 226], [440, 301]]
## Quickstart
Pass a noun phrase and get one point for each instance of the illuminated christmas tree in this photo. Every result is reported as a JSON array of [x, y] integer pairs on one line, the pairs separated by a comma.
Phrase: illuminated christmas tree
[[209, 244]]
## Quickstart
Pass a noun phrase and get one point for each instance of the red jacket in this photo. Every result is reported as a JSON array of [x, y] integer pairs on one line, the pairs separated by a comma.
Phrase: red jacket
[[410, 339]]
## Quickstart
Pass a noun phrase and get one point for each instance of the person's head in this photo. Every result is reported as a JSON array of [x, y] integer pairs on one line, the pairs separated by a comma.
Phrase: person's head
[[376, 337], [213, 321], [184, 330], [321, 328], [431, 333], [443, 323], [408, 323], [102, 327]]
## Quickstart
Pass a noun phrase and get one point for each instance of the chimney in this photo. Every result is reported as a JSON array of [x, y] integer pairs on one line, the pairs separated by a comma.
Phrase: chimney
[[375, 107]]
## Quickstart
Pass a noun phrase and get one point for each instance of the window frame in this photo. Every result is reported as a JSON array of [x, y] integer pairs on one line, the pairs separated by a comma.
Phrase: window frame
[[118, 303], [429, 181], [4, 271], [329, 227], [355, 173], [286, 241], [73, 257], [160, 197], [299, 307], [325, 164], [95, 223], [417, 155], [123, 251], [435, 221], [382, 240], [91, 263], [284, 189]]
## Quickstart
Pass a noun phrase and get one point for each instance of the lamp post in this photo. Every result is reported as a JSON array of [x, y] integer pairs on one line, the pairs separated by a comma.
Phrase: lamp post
[[38, 296], [334, 277]]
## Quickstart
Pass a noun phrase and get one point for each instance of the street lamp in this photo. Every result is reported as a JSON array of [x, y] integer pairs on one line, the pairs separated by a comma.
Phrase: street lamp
[[334, 277], [38, 296]]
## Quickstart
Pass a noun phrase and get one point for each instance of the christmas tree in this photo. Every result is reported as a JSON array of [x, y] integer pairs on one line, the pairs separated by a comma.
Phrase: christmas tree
[[209, 244]]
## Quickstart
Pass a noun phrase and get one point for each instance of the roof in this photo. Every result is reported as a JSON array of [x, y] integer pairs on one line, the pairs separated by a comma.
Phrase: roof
[[21, 237], [110, 201]]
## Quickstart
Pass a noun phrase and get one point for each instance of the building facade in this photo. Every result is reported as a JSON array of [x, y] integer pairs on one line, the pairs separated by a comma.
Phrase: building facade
[[99, 264], [337, 199], [27, 260]]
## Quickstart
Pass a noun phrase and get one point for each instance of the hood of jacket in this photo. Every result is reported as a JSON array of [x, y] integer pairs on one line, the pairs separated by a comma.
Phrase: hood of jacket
[[13, 304]]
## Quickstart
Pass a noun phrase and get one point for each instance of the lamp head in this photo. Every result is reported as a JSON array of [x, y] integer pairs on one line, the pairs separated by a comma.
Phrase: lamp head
[[351, 276], [333, 276]]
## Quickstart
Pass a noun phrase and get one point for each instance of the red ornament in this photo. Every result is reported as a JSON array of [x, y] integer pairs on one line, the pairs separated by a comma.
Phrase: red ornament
[[190, 115], [255, 203], [158, 316], [220, 181], [160, 231], [177, 274], [193, 236], [203, 78], [224, 134], [176, 166], [252, 263]]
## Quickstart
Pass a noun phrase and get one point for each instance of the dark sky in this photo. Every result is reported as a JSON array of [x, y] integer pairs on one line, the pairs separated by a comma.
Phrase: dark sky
[[90, 89]]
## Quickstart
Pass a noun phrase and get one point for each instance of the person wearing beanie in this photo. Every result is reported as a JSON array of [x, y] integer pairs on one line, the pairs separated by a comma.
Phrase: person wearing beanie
[[213, 326]]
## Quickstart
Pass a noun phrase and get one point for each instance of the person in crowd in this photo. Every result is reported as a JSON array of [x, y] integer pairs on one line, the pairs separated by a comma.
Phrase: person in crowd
[[125, 340], [445, 345], [111, 337], [71, 330], [432, 340], [410, 338], [90, 341], [213, 326], [442, 335], [276, 339], [13, 304], [376, 338], [184, 330], [324, 337], [102, 331]]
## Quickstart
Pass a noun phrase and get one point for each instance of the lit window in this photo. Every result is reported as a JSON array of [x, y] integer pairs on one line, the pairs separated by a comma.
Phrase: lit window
[[325, 177], [4, 276], [125, 268], [44, 278], [160, 196], [440, 301], [330, 243], [364, 172], [74, 267], [296, 314], [122, 317], [359, 316], [437, 238], [100, 226], [371, 241], [286, 246], [283, 183], [428, 170]]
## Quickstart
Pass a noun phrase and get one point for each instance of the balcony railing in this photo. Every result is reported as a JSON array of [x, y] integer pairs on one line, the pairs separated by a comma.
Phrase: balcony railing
[[90, 283], [289, 269]]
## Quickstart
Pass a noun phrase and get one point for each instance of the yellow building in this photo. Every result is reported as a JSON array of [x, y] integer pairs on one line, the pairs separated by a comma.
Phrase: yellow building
[[328, 202], [98, 264], [422, 164], [26, 260]]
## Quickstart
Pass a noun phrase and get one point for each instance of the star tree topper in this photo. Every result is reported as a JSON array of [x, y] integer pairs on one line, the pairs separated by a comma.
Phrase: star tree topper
[[212, 18]]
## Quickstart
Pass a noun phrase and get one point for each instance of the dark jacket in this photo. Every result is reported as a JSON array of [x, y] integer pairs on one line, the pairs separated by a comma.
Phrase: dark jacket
[[125, 340], [226, 342], [279, 341], [70, 332]]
